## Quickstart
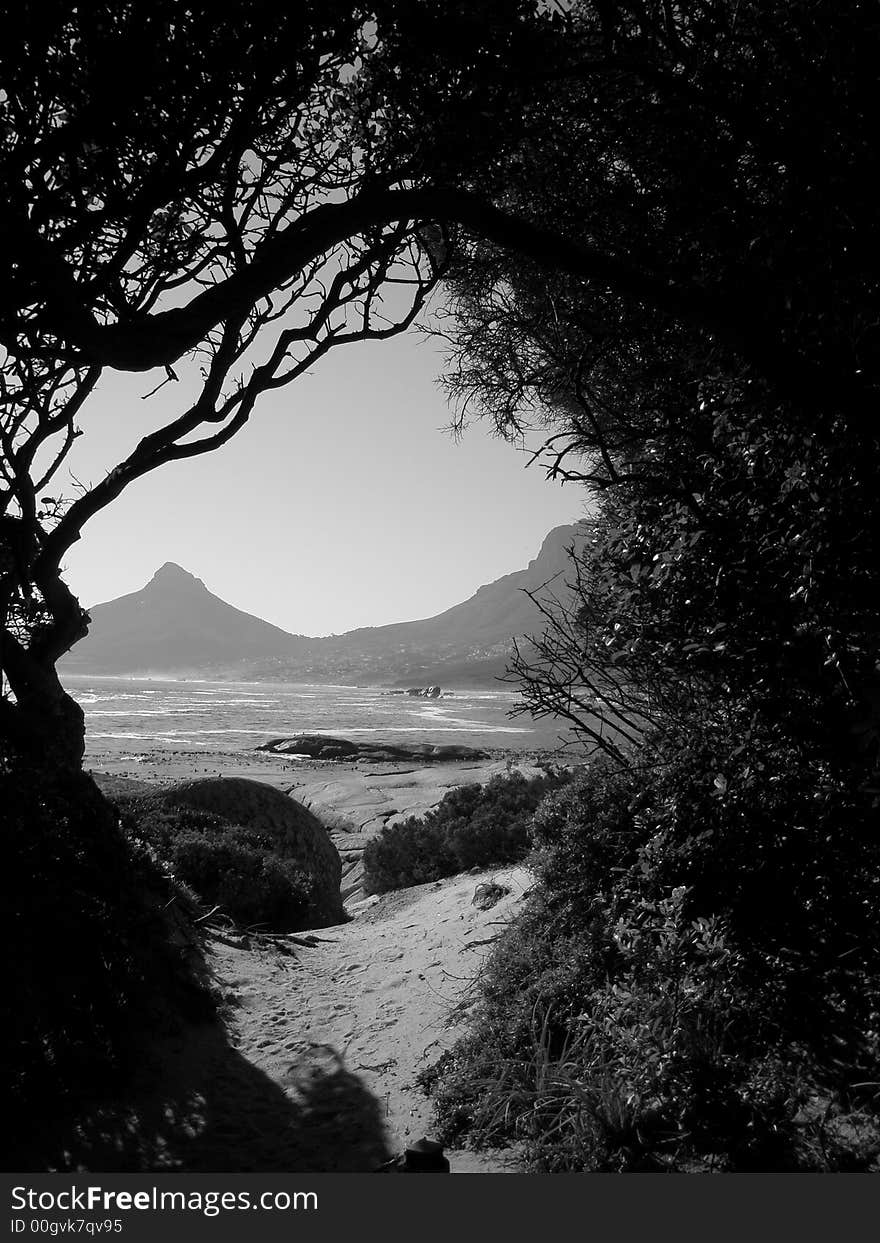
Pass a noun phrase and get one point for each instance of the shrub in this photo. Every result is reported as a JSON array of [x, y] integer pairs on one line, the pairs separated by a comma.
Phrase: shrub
[[229, 870], [227, 865], [473, 826], [696, 970], [92, 959]]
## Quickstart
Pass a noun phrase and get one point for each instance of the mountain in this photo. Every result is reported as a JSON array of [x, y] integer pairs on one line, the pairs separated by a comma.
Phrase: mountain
[[469, 643], [175, 625]]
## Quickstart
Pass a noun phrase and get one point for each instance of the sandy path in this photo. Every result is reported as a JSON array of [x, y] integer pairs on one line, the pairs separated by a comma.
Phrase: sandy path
[[379, 1000], [315, 1066]]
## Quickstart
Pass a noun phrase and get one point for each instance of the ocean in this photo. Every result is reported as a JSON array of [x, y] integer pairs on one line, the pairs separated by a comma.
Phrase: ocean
[[132, 716]]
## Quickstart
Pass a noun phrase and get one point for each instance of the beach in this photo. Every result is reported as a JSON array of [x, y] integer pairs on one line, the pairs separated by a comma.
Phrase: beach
[[314, 1066]]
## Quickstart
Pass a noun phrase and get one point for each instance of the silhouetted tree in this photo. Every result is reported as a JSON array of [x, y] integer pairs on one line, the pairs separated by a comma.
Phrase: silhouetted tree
[[225, 198], [723, 151]]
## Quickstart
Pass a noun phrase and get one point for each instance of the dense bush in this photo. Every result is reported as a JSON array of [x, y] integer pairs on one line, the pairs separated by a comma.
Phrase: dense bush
[[473, 826], [92, 961], [227, 865], [695, 983], [254, 887]]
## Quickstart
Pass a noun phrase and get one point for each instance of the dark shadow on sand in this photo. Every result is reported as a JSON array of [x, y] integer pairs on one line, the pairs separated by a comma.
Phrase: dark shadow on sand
[[200, 1106]]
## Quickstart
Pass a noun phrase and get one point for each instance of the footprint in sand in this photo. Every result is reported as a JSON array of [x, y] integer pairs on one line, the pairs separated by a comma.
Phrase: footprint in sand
[[381, 1025]]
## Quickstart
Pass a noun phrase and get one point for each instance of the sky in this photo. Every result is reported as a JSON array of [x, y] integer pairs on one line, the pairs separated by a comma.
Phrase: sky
[[342, 503]]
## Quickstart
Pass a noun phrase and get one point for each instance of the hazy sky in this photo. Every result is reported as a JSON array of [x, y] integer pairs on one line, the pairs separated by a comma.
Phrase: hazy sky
[[343, 503]]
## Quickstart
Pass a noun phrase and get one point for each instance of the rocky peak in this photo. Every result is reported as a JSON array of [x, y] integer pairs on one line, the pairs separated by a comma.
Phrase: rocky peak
[[174, 576]]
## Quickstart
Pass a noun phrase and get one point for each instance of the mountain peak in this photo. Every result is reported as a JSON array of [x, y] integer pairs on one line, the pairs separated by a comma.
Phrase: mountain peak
[[172, 575], [177, 624]]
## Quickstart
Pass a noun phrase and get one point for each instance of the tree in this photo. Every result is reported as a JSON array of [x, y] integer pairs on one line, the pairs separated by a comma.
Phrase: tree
[[227, 200], [733, 442], [224, 199], [723, 648]]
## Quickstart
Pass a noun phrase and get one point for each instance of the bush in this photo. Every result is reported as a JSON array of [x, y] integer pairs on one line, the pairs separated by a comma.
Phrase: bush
[[228, 870], [695, 975], [227, 865], [473, 826], [92, 959]]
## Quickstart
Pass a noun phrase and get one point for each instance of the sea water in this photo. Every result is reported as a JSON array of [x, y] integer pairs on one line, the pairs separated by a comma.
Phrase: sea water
[[134, 715]]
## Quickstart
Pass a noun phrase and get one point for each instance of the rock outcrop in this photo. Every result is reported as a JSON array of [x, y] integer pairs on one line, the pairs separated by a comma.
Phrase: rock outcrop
[[300, 835], [319, 747]]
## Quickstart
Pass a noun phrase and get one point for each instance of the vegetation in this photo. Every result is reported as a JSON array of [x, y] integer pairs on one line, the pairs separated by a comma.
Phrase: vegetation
[[93, 957], [473, 826], [691, 979], [657, 245], [696, 984], [240, 870], [222, 201]]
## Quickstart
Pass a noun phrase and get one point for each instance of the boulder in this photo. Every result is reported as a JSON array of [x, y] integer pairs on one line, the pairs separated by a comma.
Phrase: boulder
[[315, 746], [325, 748], [300, 835]]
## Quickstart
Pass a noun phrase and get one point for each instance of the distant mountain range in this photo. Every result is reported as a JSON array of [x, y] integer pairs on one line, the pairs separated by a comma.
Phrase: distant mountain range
[[176, 626]]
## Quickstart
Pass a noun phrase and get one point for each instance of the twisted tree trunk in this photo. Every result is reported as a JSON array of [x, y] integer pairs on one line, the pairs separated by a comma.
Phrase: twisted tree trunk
[[44, 723], [38, 718]]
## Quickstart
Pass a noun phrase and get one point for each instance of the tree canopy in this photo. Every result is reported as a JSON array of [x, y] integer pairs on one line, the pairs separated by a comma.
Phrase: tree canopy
[[725, 149], [222, 197], [643, 213], [653, 226]]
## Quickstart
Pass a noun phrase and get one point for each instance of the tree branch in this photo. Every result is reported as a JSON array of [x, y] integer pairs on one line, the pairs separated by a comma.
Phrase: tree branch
[[158, 340]]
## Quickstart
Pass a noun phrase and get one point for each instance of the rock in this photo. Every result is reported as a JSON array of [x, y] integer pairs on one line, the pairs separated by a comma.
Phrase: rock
[[425, 1156], [331, 752], [300, 835], [322, 748], [487, 894], [433, 692], [316, 746]]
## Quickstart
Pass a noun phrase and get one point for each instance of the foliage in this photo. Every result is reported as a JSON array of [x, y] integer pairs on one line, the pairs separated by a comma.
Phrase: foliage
[[93, 959], [699, 981], [239, 869], [659, 247], [732, 468], [663, 1003], [473, 826], [224, 198]]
